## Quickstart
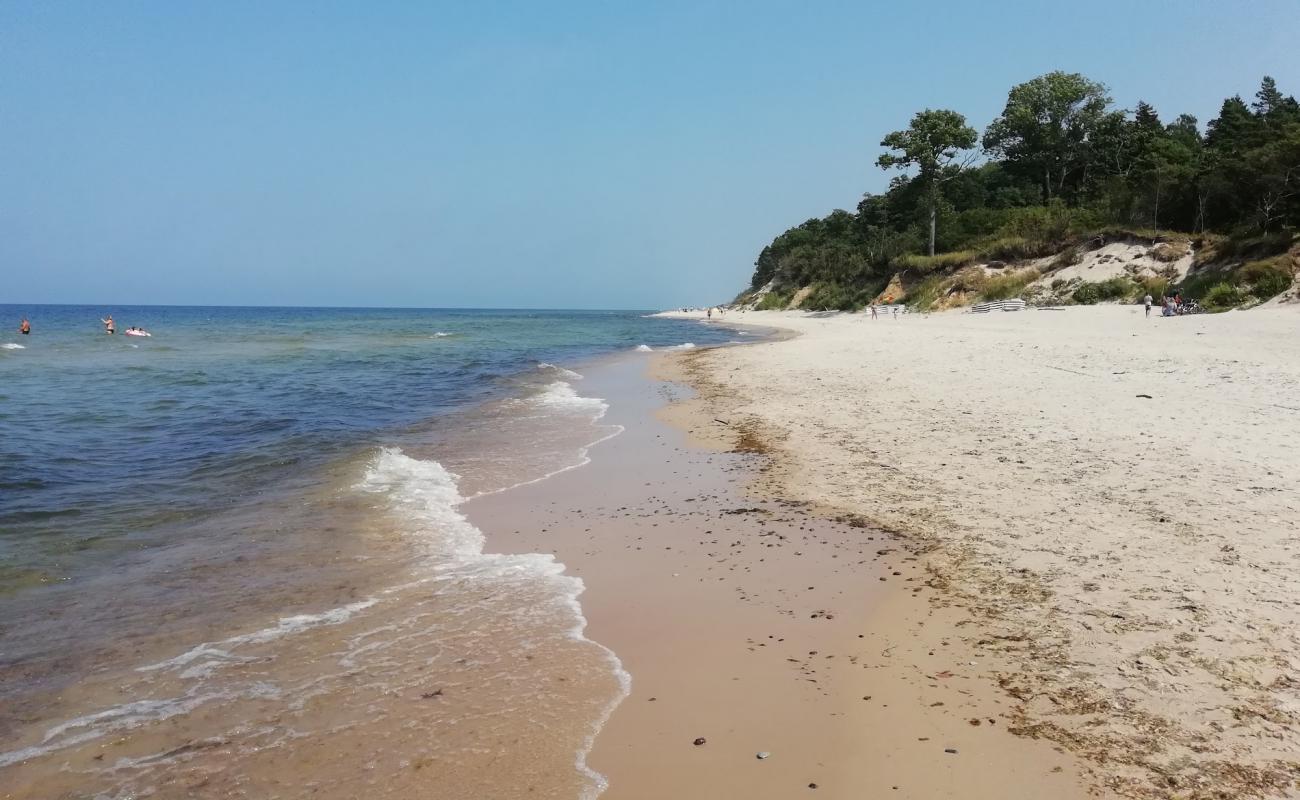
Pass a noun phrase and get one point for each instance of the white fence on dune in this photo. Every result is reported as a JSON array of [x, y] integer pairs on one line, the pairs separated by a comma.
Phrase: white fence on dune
[[999, 305]]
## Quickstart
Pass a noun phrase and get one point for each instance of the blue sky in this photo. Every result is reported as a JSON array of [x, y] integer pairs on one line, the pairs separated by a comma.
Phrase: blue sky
[[588, 155]]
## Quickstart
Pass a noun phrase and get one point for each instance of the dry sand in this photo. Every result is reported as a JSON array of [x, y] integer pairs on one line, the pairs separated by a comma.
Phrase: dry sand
[[1106, 507]]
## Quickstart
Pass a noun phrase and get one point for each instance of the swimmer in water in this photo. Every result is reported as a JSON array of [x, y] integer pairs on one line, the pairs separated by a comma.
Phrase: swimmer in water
[[109, 327], [25, 328]]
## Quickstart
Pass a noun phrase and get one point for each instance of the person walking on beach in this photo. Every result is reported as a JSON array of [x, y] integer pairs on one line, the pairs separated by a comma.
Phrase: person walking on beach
[[710, 312], [1146, 301], [25, 328], [873, 310], [109, 326]]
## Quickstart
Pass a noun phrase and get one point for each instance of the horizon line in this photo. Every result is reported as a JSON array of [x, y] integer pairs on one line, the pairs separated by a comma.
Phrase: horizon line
[[322, 307]]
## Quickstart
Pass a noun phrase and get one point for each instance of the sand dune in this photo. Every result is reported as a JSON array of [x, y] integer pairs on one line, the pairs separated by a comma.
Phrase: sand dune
[[1111, 500]]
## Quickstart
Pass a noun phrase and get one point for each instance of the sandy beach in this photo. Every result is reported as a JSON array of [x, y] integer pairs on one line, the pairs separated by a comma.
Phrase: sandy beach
[[759, 626], [1103, 509]]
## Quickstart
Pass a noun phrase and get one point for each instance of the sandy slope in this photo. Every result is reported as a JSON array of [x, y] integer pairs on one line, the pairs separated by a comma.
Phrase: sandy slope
[[1130, 561]]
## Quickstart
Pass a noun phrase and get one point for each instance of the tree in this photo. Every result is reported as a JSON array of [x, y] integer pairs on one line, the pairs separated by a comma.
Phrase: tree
[[933, 142], [1273, 172], [1167, 163], [1047, 127], [1272, 106]]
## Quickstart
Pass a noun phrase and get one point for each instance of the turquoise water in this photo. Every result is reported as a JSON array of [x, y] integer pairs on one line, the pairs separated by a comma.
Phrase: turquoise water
[[206, 531]]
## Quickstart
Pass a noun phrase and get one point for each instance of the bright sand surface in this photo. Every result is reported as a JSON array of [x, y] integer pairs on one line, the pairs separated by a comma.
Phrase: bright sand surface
[[1105, 509], [750, 622]]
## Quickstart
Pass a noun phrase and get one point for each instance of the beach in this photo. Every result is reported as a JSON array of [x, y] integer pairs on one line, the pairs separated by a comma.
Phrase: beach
[[782, 640], [1041, 554], [1101, 506]]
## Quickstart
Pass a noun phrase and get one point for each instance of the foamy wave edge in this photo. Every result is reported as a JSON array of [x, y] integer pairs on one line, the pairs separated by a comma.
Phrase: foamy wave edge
[[427, 492], [197, 663], [567, 374]]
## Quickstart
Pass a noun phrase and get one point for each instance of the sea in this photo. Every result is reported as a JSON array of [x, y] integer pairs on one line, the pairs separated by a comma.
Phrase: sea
[[233, 561]]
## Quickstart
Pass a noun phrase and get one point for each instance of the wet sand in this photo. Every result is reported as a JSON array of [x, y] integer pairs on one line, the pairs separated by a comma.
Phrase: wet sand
[[760, 626]]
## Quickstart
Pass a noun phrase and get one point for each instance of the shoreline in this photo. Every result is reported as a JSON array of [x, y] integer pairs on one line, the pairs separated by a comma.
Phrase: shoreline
[[755, 624], [1010, 451]]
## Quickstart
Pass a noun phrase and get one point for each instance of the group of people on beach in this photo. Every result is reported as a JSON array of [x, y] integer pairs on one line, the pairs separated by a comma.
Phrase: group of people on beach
[[1170, 306]]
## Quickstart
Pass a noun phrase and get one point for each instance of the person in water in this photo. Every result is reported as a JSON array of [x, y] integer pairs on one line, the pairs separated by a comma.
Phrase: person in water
[[109, 327], [25, 328]]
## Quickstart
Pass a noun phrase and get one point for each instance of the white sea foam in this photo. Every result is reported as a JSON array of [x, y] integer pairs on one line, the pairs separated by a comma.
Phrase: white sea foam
[[426, 496], [561, 396], [644, 348], [128, 716], [441, 334], [12, 346], [286, 626], [567, 374], [683, 346], [424, 493]]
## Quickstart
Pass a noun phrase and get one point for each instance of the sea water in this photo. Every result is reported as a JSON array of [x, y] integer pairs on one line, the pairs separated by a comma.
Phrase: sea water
[[233, 562]]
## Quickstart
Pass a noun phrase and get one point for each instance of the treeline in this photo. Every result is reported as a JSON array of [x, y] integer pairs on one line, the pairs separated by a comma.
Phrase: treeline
[[1060, 160]]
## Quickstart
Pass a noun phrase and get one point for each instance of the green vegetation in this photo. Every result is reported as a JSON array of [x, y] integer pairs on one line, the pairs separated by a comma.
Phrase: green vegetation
[[1221, 297], [775, 300], [933, 143], [943, 261], [1004, 287], [1114, 289], [1063, 169], [926, 293], [1265, 278]]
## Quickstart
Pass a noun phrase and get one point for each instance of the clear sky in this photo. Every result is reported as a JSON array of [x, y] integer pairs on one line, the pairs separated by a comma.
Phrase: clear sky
[[586, 155]]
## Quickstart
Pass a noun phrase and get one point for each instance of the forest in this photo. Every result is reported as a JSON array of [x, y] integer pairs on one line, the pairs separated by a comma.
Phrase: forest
[[1060, 166]]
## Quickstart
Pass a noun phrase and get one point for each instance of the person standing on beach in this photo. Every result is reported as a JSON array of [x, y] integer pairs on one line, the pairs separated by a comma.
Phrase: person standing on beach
[[109, 326], [25, 328], [873, 310], [1146, 301]]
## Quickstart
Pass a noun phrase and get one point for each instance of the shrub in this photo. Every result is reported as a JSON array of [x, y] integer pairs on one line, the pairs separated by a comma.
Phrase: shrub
[[941, 261], [1170, 251], [1013, 248], [969, 279], [826, 297], [1113, 289], [1253, 243], [1050, 224], [1004, 287], [1067, 258], [1155, 286], [1265, 278], [1221, 297], [774, 300], [925, 293]]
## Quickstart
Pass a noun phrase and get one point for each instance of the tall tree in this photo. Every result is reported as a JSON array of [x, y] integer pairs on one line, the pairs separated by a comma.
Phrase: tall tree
[[1047, 127], [1273, 106], [933, 142]]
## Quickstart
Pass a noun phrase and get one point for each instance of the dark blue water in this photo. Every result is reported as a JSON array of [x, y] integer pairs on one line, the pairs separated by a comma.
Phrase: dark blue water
[[113, 444]]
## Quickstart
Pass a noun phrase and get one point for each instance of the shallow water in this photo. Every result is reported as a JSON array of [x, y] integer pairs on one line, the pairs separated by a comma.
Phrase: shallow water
[[232, 561]]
